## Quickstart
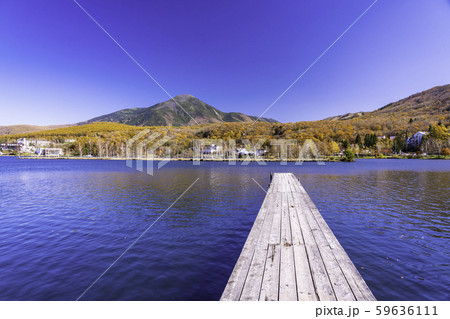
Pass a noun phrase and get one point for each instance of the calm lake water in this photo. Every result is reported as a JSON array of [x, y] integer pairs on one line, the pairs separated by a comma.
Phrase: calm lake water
[[63, 222]]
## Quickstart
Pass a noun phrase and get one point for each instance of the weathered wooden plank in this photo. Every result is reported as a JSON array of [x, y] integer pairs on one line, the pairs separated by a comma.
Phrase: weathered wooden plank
[[283, 182], [271, 280], [294, 183], [253, 281], [296, 232], [280, 182], [275, 231], [286, 234], [276, 183], [272, 268], [288, 285], [322, 284], [305, 284]]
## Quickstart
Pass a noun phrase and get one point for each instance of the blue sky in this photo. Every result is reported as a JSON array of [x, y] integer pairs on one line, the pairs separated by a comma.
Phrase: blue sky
[[58, 67]]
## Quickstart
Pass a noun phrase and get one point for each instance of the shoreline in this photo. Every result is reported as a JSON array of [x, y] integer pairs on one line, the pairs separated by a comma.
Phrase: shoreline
[[190, 159]]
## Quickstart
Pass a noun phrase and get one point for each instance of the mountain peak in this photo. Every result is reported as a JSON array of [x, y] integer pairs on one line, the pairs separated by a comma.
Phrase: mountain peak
[[183, 97], [182, 110]]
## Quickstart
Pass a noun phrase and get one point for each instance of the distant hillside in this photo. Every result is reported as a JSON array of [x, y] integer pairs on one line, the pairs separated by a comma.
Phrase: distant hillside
[[20, 129], [170, 113], [433, 103]]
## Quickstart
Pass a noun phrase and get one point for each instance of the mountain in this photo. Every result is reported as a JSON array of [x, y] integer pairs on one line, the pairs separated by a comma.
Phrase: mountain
[[432, 103], [169, 113], [20, 129]]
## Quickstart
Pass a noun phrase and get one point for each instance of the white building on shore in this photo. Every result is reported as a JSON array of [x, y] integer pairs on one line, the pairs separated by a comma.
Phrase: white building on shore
[[23, 146], [416, 139], [38, 147]]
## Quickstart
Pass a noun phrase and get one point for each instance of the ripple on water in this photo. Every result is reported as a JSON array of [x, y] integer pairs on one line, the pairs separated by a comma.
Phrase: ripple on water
[[62, 223]]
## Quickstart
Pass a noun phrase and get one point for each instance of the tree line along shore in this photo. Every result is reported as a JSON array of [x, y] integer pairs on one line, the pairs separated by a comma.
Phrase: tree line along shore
[[333, 139]]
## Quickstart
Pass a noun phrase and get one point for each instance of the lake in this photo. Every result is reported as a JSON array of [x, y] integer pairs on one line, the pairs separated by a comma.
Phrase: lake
[[64, 222]]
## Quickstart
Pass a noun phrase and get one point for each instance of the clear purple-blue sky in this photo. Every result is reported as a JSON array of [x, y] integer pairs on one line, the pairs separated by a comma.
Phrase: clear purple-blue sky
[[57, 66]]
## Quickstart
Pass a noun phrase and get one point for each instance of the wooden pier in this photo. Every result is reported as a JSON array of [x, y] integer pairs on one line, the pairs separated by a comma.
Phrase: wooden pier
[[291, 253]]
